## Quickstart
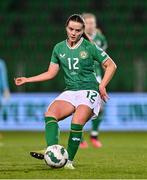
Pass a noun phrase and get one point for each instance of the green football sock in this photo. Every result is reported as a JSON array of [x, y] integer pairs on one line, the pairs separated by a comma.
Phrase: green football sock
[[51, 131], [96, 122], [74, 140]]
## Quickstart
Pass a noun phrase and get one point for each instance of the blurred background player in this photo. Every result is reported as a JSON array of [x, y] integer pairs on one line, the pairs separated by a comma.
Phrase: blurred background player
[[95, 34], [4, 87]]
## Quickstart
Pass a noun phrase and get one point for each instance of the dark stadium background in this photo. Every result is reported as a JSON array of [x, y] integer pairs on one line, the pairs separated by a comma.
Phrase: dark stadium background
[[30, 29]]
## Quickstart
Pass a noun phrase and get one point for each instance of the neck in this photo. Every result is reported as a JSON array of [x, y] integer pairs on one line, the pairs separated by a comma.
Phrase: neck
[[71, 43]]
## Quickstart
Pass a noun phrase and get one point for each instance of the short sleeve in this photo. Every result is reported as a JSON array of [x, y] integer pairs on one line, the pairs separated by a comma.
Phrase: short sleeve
[[54, 57], [98, 54]]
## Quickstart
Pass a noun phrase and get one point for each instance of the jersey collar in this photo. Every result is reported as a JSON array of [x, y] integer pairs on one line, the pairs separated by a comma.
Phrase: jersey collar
[[76, 45]]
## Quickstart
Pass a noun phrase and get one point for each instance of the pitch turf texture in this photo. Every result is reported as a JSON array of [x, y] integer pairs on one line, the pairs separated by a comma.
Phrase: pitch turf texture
[[123, 155]]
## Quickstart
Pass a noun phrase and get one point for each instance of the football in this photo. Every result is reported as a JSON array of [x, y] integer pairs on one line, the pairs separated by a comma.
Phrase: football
[[56, 156]]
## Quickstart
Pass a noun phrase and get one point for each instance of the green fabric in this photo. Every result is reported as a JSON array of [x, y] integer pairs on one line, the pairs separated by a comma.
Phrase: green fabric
[[100, 40], [78, 64], [96, 122], [74, 140], [98, 70], [51, 131]]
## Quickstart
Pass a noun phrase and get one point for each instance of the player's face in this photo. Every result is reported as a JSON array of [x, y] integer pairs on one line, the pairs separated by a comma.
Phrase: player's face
[[74, 31], [90, 25]]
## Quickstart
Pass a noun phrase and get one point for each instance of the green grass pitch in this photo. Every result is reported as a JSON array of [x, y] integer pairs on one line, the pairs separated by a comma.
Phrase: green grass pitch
[[123, 156]]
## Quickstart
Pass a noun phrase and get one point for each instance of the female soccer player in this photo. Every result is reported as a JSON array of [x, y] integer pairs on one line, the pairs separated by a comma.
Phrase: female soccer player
[[76, 56], [99, 39]]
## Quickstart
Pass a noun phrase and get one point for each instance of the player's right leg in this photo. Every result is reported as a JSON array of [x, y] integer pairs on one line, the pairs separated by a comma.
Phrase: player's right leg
[[38, 154], [57, 111]]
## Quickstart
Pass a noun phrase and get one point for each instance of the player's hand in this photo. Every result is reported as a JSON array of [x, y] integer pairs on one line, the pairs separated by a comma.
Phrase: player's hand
[[103, 93], [21, 80]]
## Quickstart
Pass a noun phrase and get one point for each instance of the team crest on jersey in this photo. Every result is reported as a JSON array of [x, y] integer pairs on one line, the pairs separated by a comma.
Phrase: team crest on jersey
[[83, 54]]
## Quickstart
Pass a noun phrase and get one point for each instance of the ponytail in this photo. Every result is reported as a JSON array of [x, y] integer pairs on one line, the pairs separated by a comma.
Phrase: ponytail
[[85, 36]]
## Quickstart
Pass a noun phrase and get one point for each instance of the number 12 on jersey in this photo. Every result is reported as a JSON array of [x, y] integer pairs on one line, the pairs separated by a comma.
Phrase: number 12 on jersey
[[73, 64]]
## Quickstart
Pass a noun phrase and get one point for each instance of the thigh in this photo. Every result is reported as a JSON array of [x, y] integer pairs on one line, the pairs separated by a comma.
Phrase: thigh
[[82, 114], [60, 109]]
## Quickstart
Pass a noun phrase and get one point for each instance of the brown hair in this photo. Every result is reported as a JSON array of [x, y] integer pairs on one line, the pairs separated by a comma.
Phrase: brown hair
[[78, 18]]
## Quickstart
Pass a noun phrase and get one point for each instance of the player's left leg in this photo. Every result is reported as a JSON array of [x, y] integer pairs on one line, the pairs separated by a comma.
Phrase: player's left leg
[[94, 135], [80, 117]]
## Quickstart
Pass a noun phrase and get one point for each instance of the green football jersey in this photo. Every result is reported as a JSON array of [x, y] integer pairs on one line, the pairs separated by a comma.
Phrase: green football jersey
[[100, 40], [78, 63]]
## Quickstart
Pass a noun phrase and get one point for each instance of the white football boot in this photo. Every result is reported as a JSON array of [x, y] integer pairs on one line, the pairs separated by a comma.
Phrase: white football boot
[[69, 165]]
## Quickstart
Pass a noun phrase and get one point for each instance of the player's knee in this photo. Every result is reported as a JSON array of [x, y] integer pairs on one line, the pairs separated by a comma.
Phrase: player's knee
[[79, 121], [52, 114]]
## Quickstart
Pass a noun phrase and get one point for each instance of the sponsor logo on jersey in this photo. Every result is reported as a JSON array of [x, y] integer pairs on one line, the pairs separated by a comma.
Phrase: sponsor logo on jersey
[[76, 139], [62, 55], [83, 54]]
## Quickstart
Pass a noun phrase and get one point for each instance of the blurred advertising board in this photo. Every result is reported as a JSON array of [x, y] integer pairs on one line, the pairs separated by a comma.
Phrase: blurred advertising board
[[123, 111]]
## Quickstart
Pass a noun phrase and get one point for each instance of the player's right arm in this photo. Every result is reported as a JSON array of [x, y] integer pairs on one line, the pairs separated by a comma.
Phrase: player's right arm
[[49, 74], [52, 71]]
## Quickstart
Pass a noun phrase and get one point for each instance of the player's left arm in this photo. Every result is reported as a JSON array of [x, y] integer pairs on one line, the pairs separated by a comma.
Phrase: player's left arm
[[109, 68]]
